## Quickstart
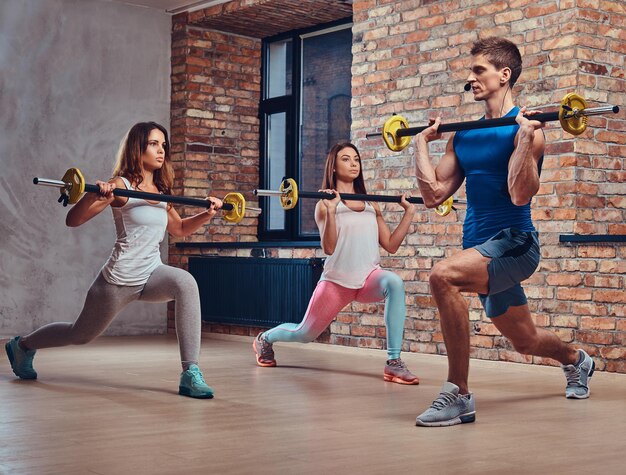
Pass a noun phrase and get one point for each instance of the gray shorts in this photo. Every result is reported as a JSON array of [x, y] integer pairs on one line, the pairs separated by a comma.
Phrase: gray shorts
[[514, 257]]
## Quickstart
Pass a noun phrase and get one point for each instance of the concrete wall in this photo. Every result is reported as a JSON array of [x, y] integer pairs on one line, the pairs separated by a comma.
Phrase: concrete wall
[[74, 76]]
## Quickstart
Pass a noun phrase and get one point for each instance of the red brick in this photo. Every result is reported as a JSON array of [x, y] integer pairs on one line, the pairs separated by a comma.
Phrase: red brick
[[573, 294], [597, 323], [613, 353], [569, 280], [595, 338]]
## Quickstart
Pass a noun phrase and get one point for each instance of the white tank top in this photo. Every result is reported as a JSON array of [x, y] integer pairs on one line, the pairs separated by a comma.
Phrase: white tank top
[[357, 253], [140, 228]]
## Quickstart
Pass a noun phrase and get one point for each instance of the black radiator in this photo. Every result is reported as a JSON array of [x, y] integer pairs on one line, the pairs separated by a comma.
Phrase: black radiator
[[254, 291]]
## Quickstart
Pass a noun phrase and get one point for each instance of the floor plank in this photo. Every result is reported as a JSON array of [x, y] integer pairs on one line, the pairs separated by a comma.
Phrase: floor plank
[[111, 407]]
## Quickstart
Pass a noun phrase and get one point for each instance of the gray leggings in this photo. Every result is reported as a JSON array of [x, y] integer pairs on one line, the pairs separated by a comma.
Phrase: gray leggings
[[104, 301]]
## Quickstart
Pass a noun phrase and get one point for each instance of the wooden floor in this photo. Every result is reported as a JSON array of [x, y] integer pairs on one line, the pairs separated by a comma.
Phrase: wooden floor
[[111, 407]]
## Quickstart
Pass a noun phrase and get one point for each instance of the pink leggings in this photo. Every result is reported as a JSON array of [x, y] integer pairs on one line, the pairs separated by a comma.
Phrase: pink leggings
[[329, 298]]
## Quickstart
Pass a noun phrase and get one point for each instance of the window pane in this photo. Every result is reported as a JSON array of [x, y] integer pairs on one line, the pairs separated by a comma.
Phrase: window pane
[[276, 134], [325, 109], [279, 69]]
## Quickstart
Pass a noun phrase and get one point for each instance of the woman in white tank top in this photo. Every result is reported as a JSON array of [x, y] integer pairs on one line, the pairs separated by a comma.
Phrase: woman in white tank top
[[134, 270], [351, 233]]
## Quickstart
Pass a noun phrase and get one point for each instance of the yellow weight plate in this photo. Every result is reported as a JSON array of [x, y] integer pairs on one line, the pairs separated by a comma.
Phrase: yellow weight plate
[[570, 116], [289, 198], [444, 208], [239, 207], [390, 130], [76, 185]]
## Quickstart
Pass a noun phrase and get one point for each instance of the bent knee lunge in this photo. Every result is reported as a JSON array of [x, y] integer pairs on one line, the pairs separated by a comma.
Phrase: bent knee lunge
[[392, 281], [170, 283], [439, 279], [185, 288]]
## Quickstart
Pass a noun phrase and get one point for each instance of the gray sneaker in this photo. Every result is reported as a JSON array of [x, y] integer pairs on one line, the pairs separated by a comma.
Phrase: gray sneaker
[[264, 351], [21, 361], [578, 376], [448, 409]]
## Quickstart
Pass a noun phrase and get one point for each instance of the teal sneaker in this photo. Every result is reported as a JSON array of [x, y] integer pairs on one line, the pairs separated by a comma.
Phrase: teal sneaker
[[21, 361], [450, 408], [578, 376], [192, 384]]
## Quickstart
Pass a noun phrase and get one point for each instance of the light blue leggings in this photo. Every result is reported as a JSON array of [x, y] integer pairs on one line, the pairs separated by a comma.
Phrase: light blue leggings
[[329, 298]]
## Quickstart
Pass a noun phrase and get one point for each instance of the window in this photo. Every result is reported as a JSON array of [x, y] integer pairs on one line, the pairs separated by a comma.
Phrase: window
[[305, 109]]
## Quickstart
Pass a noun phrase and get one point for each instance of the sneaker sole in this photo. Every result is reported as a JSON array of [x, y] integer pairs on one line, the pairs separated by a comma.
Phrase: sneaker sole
[[7, 348], [258, 361], [396, 379], [576, 396], [185, 392], [464, 419]]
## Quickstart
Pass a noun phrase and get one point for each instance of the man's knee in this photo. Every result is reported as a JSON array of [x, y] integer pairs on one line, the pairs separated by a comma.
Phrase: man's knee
[[439, 276]]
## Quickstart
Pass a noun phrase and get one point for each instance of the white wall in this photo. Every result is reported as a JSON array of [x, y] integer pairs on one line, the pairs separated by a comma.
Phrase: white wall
[[74, 76]]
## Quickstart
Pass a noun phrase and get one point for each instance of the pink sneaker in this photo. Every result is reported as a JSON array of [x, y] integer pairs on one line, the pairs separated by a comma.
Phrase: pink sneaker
[[264, 351], [397, 372]]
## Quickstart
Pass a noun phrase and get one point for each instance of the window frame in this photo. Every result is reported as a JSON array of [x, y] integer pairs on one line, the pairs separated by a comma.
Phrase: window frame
[[290, 104]]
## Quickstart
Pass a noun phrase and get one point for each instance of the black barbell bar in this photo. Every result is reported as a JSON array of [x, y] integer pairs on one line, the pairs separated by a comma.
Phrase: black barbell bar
[[233, 203], [183, 200], [489, 123], [289, 195]]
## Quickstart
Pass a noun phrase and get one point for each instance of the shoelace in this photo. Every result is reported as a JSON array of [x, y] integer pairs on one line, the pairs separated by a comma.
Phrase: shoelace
[[398, 363], [267, 352], [443, 400], [198, 378], [572, 374], [26, 360]]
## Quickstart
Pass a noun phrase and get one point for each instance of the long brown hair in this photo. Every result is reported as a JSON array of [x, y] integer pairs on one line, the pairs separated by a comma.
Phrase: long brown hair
[[129, 164], [329, 181]]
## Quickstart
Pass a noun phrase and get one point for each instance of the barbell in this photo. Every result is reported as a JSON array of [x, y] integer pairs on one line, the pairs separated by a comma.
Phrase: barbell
[[572, 115], [289, 194], [72, 187]]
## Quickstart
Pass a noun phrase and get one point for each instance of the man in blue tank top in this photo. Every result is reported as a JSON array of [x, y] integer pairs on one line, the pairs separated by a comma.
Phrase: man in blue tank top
[[501, 168]]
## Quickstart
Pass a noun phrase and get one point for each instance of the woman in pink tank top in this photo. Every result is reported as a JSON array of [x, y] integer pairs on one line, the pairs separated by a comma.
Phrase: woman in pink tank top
[[351, 233]]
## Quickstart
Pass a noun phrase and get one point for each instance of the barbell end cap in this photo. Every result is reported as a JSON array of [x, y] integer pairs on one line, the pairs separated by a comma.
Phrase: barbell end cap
[[35, 181], [615, 109]]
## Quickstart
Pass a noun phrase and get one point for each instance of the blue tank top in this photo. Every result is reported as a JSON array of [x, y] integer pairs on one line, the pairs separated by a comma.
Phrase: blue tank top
[[484, 155]]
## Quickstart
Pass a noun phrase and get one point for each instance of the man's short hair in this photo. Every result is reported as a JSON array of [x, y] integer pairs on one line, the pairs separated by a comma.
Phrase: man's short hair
[[502, 53]]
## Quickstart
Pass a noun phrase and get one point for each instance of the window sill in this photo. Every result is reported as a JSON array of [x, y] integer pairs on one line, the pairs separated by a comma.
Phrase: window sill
[[247, 245], [592, 238]]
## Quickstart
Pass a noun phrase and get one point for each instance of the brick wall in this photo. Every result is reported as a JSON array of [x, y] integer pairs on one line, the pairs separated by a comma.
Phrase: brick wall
[[214, 121], [214, 127], [411, 57]]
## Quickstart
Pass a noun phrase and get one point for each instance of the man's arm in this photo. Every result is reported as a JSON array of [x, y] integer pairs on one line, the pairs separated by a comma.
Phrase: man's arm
[[523, 180], [436, 184]]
